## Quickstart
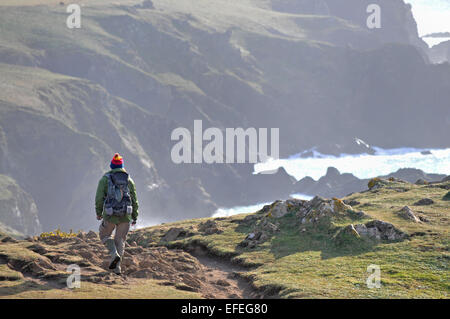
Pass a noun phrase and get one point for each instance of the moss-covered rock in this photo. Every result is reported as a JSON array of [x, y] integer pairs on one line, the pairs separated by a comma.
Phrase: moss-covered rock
[[346, 236]]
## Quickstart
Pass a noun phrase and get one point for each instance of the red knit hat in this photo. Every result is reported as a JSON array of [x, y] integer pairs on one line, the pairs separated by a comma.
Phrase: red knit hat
[[117, 160]]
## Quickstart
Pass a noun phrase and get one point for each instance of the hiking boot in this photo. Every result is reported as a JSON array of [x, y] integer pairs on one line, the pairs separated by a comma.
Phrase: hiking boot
[[118, 269], [115, 258]]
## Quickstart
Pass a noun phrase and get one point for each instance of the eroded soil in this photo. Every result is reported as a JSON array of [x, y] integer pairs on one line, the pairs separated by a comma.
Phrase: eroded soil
[[45, 261]]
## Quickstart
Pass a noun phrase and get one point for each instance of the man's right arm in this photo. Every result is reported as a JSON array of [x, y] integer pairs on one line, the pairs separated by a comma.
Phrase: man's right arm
[[100, 196]]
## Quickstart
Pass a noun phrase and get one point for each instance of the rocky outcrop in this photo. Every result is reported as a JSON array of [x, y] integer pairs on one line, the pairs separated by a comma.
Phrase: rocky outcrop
[[380, 230], [320, 209], [318, 212], [264, 229], [374, 230], [174, 234], [18, 209]]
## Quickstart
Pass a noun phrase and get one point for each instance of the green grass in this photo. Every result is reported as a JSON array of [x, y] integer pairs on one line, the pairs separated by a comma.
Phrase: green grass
[[310, 265]]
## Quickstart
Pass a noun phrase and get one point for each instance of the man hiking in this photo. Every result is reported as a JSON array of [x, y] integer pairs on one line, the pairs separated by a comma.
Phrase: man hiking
[[116, 203]]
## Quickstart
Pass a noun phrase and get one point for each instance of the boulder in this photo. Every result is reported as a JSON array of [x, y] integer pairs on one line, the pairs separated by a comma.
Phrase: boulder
[[421, 181], [210, 227], [375, 183], [262, 231], [91, 235], [424, 202], [407, 213], [320, 208], [8, 239], [173, 233], [380, 230], [340, 207], [81, 235], [352, 202], [278, 210]]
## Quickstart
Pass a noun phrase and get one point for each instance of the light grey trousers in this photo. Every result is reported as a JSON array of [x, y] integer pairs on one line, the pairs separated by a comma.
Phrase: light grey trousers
[[106, 229]]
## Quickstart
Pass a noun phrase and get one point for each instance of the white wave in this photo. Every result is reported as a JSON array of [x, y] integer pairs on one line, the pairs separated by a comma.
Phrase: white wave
[[302, 196], [225, 212], [434, 41], [383, 162]]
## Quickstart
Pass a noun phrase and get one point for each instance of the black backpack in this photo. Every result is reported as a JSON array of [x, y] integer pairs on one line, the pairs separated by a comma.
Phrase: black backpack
[[118, 199]]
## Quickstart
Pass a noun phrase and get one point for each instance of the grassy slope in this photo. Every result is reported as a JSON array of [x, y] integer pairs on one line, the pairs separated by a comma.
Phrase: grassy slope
[[293, 263], [304, 265]]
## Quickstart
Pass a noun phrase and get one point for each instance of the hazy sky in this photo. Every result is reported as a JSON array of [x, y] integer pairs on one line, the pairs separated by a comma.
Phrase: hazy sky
[[431, 15]]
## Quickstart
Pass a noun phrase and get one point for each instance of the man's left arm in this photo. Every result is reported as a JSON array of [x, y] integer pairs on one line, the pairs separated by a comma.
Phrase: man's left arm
[[134, 200], [100, 197]]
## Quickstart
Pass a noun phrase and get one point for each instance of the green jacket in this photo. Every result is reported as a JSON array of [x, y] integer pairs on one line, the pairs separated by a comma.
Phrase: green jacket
[[100, 197]]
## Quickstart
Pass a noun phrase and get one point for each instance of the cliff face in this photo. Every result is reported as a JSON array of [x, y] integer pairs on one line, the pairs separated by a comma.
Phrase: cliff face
[[69, 99], [440, 53], [18, 210], [397, 21]]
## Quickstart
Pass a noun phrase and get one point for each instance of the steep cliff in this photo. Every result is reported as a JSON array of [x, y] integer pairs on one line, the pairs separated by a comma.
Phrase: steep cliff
[[18, 211], [70, 98]]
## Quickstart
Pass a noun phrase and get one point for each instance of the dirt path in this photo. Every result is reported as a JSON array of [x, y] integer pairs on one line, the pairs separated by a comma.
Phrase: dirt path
[[191, 269], [222, 273]]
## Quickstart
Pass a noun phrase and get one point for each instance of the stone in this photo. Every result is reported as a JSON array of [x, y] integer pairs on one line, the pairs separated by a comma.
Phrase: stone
[[340, 207], [222, 283], [173, 233], [81, 235], [319, 209], [407, 213], [210, 227], [91, 235], [251, 236], [424, 202], [361, 214], [421, 181], [8, 239], [278, 210], [346, 235], [352, 202], [382, 230]]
